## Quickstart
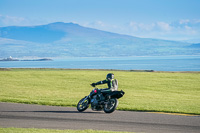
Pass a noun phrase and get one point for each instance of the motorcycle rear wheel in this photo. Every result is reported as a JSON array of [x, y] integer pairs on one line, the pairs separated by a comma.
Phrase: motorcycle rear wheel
[[111, 105], [83, 104]]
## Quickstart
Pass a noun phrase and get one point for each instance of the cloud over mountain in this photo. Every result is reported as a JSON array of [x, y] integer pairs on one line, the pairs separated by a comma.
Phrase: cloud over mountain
[[181, 30]]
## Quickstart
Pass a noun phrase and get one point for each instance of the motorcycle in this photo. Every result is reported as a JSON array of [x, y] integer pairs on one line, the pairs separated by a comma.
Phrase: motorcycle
[[100, 101]]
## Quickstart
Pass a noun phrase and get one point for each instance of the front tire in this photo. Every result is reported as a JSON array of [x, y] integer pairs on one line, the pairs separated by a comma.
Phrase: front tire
[[83, 104], [111, 105]]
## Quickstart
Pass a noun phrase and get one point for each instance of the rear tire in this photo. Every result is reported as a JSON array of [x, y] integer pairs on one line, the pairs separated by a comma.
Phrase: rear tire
[[83, 104], [111, 105]]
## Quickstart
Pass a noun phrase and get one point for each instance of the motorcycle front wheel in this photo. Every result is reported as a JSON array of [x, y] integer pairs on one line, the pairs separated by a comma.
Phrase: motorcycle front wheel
[[111, 105], [83, 104]]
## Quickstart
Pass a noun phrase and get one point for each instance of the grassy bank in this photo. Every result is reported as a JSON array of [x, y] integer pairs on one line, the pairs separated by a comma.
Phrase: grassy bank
[[145, 91], [34, 130]]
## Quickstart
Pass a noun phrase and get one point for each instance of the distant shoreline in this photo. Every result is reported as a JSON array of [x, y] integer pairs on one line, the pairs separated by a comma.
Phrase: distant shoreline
[[127, 63], [13, 59], [10, 69]]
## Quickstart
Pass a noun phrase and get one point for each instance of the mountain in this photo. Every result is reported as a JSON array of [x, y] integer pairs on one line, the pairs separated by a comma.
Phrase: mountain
[[72, 40], [195, 45]]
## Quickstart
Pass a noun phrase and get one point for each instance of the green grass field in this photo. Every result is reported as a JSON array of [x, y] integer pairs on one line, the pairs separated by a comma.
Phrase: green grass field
[[144, 91]]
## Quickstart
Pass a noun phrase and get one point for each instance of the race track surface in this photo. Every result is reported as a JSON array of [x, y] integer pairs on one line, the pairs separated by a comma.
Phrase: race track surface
[[38, 116]]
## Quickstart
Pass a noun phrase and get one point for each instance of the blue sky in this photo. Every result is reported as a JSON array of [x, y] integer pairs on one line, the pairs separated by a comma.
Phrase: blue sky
[[162, 19]]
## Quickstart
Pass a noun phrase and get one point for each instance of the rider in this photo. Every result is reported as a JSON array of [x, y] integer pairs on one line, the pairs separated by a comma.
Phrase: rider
[[111, 82]]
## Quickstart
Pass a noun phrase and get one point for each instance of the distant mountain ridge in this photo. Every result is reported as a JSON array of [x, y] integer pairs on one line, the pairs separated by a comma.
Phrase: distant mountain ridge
[[72, 40]]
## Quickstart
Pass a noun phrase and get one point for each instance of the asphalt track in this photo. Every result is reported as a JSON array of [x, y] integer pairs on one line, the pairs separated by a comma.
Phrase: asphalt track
[[52, 117]]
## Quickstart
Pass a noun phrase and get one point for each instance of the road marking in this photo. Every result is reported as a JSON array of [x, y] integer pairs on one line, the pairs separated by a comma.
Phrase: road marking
[[174, 113]]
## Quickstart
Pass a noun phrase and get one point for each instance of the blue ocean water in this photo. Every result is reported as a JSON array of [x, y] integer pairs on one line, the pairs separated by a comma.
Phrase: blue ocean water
[[158, 63]]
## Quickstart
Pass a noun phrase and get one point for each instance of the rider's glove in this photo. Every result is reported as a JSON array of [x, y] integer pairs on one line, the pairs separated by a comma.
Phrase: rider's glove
[[93, 84]]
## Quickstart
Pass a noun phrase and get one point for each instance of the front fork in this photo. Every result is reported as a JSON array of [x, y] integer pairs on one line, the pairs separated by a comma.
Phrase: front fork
[[87, 97]]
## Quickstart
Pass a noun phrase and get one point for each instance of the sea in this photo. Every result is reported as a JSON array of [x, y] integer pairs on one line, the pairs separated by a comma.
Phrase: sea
[[155, 63]]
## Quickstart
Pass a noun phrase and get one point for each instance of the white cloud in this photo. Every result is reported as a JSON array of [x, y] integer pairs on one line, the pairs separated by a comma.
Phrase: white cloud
[[178, 30], [184, 21], [100, 23], [188, 28], [95, 24], [197, 21], [102, 26], [141, 26], [164, 26], [6, 20], [160, 26], [10, 20], [134, 26]]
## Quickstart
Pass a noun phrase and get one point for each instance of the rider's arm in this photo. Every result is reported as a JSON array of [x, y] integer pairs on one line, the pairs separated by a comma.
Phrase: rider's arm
[[102, 82]]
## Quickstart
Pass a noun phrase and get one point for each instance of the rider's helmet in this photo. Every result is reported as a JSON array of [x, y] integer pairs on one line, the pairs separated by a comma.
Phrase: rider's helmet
[[110, 76]]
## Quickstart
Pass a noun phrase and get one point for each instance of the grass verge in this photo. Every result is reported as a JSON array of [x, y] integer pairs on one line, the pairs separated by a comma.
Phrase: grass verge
[[144, 91], [35, 130]]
